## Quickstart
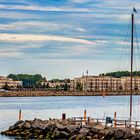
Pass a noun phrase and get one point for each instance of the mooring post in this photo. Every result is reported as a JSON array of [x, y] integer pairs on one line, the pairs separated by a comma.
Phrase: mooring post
[[85, 115], [74, 121], [63, 116], [135, 125], [19, 115], [89, 120], [125, 123], [115, 114]]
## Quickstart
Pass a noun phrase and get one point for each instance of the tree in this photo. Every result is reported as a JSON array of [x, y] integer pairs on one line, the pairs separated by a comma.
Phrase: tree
[[27, 79], [119, 74], [66, 87], [6, 86], [79, 86]]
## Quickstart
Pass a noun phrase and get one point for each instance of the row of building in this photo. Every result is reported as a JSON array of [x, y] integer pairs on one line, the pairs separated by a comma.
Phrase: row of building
[[104, 83], [86, 83], [4, 81]]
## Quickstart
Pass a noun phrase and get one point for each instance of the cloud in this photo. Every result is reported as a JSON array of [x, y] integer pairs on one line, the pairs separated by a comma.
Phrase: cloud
[[40, 38], [80, 1], [45, 8], [38, 26]]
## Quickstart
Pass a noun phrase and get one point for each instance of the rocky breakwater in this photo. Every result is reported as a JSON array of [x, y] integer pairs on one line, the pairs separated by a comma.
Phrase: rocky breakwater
[[67, 129]]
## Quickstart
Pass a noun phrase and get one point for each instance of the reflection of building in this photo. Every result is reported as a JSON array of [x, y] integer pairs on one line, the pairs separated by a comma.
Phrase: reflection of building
[[9, 82], [104, 83]]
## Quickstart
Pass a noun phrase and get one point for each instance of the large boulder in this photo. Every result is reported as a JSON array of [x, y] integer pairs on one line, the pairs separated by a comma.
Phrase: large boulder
[[110, 134], [56, 134], [84, 131], [64, 135], [119, 134], [128, 134], [73, 129], [61, 127], [27, 125], [73, 137], [80, 137], [17, 125], [39, 124], [103, 133], [94, 131]]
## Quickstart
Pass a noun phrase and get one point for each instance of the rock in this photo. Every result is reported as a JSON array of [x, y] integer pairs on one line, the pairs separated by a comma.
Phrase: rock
[[41, 137], [119, 134], [84, 131], [64, 135], [39, 124], [18, 122], [56, 134], [61, 127], [73, 129], [102, 133], [110, 134], [27, 125], [94, 130], [17, 125], [50, 127], [95, 136], [88, 138], [136, 137], [128, 134], [80, 136], [49, 135], [73, 137]]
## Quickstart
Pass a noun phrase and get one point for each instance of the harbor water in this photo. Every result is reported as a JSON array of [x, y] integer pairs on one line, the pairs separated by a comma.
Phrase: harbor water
[[73, 106]]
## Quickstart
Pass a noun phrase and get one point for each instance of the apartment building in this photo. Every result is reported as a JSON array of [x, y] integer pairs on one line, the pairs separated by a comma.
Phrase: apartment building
[[103, 83], [9, 82], [126, 82]]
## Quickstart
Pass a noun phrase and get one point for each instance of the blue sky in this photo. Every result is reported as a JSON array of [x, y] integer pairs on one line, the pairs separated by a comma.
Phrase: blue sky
[[64, 38]]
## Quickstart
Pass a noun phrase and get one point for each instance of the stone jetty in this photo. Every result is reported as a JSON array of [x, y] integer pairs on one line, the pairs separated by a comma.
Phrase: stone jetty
[[68, 130], [31, 93]]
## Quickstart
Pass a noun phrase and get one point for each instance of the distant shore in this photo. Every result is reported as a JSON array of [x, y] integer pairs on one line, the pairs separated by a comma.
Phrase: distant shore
[[60, 93]]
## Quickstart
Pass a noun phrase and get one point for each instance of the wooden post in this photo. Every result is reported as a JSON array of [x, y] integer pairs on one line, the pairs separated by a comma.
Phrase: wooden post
[[19, 115], [85, 116], [115, 124], [74, 120], [125, 123], [88, 120], [63, 116], [135, 125]]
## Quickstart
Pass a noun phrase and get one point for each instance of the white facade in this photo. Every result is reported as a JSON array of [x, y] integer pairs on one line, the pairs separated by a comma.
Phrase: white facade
[[104, 83], [9, 82]]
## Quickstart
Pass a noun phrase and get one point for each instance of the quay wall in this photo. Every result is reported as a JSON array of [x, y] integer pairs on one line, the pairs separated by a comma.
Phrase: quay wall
[[60, 93]]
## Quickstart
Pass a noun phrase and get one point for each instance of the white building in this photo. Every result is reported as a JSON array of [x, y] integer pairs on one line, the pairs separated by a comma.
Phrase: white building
[[104, 83], [9, 82]]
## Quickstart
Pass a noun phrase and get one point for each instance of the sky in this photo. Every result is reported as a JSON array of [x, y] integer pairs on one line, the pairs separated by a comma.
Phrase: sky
[[65, 38]]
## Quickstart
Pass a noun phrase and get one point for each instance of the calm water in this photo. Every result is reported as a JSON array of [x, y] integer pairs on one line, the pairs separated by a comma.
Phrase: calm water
[[53, 107]]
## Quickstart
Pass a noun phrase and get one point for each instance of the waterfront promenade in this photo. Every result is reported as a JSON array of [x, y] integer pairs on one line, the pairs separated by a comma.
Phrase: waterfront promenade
[[30, 93]]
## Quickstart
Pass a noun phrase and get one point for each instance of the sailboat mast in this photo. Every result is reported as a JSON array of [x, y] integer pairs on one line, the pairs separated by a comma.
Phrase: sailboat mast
[[131, 73]]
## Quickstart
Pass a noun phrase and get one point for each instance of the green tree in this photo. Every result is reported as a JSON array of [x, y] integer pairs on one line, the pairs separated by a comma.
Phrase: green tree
[[79, 86], [6, 86], [27, 79]]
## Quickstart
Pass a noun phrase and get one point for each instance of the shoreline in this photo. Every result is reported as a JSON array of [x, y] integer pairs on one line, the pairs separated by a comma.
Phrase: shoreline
[[60, 93]]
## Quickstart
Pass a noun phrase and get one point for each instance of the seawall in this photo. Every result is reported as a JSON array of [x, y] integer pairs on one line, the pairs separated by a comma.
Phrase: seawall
[[60, 93]]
